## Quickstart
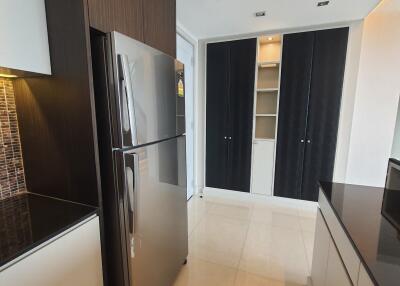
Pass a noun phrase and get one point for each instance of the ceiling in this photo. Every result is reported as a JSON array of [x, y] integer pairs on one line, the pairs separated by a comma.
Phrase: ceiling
[[218, 18]]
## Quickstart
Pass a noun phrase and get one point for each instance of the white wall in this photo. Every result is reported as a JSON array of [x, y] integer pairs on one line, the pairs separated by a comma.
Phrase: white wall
[[376, 100], [201, 113], [23, 35], [348, 99], [198, 108], [396, 139]]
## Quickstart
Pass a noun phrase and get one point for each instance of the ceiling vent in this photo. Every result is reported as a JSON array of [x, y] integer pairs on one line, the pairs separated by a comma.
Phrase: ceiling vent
[[260, 14], [322, 3]]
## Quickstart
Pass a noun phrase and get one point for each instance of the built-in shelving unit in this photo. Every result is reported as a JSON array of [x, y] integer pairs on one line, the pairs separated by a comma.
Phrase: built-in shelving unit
[[267, 85], [266, 100]]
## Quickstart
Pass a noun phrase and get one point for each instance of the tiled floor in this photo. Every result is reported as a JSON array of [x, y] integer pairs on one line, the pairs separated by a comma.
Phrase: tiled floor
[[248, 243]]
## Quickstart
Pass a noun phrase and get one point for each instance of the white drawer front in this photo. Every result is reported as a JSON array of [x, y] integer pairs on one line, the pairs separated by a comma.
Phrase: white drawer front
[[336, 273], [345, 247], [363, 278]]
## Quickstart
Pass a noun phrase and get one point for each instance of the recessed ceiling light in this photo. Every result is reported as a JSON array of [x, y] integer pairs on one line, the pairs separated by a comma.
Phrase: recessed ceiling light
[[260, 14], [322, 3]]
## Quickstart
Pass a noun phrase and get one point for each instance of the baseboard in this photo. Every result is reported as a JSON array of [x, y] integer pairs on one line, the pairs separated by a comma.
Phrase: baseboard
[[242, 196]]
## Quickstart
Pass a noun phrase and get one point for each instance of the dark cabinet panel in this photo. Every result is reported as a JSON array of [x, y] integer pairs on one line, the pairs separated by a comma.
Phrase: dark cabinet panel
[[159, 25], [309, 108], [325, 98], [295, 86], [241, 101], [216, 115], [230, 96], [56, 114], [124, 16]]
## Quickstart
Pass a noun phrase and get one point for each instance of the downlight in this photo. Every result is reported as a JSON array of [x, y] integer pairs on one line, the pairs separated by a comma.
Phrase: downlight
[[323, 3], [260, 14]]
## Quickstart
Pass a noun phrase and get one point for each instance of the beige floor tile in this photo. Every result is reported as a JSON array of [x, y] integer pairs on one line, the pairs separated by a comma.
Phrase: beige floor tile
[[197, 208], [278, 206], [219, 239], [286, 221], [202, 273], [248, 279], [309, 244], [290, 270], [269, 239], [275, 253], [245, 243], [309, 211], [307, 224], [274, 216], [232, 211]]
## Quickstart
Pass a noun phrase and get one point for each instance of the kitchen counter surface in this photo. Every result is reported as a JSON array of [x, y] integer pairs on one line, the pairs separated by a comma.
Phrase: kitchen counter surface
[[376, 241], [28, 220]]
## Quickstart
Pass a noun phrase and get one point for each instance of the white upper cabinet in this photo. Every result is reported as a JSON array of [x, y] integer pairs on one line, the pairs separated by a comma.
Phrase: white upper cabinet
[[24, 43]]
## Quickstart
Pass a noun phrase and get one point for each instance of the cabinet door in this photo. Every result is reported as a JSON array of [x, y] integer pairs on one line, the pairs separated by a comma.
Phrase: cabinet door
[[363, 278], [336, 272], [217, 115], [160, 25], [321, 252], [124, 16], [293, 101], [324, 109], [242, 58], [73, 259], [263, 165]]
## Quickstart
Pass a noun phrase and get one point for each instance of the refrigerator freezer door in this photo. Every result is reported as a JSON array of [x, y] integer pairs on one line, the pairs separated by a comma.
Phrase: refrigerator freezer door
[[156, 213], [150, 103]]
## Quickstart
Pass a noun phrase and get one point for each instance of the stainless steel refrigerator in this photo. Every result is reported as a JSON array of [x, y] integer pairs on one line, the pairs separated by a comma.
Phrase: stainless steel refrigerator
[[141, 125]]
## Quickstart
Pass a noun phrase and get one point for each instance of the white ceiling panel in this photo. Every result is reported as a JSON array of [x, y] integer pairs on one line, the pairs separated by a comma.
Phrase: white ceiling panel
[[218, 18]]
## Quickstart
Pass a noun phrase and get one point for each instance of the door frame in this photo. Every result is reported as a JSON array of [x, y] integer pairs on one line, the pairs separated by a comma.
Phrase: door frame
[[187, 38]]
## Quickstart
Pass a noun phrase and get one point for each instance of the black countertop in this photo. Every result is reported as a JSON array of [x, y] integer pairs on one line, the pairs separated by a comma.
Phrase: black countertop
[[27, 220], [377, 241]]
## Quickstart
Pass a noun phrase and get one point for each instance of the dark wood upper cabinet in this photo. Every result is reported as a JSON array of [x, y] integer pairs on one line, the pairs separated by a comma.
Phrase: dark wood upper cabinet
[[159, 23], [124, 16], [150, 21]]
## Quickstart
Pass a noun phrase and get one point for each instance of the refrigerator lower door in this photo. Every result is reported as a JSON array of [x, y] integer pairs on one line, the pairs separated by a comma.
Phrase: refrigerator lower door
[[156, 213]]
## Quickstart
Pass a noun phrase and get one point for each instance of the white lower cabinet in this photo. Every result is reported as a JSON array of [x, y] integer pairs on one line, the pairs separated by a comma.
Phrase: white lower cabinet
[[336, 272], [262, 167], [321, 252], [363, 278], [72, 259], [327, 268]]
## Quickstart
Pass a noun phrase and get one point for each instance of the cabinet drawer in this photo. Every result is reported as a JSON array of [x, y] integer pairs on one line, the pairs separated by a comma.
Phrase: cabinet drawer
[[363, 278], [336, 272], [345, 247]]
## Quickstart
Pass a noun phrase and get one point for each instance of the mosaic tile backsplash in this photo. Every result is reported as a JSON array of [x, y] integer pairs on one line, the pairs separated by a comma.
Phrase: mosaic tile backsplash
[[12, 177]]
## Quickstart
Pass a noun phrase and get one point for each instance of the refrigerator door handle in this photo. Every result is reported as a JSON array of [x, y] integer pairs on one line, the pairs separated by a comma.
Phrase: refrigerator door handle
[[132, 183], [128, 121]]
